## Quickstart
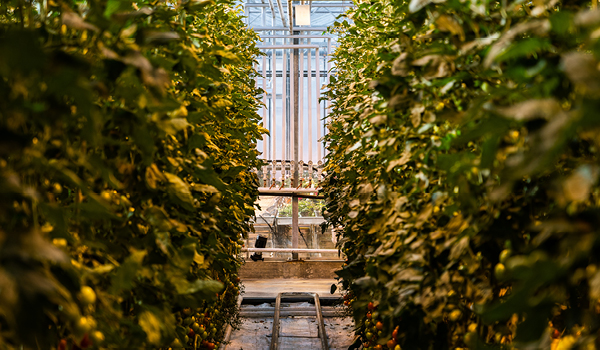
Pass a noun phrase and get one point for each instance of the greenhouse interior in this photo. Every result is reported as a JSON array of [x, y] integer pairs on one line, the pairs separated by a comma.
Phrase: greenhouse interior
[[319, 174]]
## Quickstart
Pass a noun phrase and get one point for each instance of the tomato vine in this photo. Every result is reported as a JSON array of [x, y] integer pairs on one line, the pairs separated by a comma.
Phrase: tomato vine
[[128, 132], [463, 172]]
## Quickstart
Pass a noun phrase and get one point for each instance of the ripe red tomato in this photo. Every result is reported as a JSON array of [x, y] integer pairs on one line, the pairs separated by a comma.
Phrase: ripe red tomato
[[191, 333], [379, 325], [210, 346], [62, 344], [391, 343], [369, 316], [555, 333], [395, 334], [85, 342], [371, 306]]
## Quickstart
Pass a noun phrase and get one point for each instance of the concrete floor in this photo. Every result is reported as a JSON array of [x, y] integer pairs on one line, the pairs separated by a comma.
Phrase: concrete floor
[[296, 333], [269, 288]]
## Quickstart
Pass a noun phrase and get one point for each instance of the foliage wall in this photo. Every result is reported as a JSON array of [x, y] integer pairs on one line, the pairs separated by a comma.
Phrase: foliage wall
[[127, 135], [463, 173]]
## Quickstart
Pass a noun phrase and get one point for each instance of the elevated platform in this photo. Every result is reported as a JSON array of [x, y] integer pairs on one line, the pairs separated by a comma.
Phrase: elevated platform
[[263, 288], [289, 270]]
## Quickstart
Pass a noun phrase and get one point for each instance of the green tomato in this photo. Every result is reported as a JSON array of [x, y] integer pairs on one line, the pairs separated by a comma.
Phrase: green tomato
[[470, 339], [97, 337], [485, 86], [87, 295], [504, 255], [83, 325], [500, 271], [455, 315]]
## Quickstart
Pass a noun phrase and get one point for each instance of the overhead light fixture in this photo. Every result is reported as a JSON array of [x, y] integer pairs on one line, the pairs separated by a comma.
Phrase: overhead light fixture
[[302, 15]]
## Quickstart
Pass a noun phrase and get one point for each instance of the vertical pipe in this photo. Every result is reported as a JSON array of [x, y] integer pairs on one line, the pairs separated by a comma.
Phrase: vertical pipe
[[318, 61], [310, 97], [265, 139], [273, 130], [291, 16], [291, 115], [273, 113], [248, 245], [301, 98], [264, 108], [284, 132], [295, 228]]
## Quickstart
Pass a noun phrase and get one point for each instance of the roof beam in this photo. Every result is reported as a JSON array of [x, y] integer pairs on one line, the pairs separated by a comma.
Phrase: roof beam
[[283, 21]]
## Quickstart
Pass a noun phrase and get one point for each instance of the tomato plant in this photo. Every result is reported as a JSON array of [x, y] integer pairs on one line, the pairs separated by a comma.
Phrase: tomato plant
[[128, 138], [463, 172]]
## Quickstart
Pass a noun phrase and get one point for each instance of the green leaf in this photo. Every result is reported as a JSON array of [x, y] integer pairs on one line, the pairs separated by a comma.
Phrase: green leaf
[[561, 22], [180, 191], [524, 48], [114, 6], [126, 274]]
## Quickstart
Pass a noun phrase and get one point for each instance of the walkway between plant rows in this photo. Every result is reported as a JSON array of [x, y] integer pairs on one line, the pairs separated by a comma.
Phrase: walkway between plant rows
[[298, 324]]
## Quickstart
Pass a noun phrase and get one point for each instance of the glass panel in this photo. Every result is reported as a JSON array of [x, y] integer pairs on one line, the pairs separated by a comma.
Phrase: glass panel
[[274, 221]]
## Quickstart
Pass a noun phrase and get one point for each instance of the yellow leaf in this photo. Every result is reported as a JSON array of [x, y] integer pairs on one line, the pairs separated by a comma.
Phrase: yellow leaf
[[151, 325], [449, 24]]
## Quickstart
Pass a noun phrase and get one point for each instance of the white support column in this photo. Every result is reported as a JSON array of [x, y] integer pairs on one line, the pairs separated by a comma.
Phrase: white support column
[[301, 96], [284, 104], [273, 111], [264, 114], [318, 61], [273, 116], [327, 102], [264, 108], [310, 98], [292, 101]]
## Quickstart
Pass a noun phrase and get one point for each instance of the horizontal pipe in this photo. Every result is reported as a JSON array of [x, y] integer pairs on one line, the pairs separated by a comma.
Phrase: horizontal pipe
[[307, 29], [319, 5], [288, 250], [261, 314], [304, 196], [288, 190], [287, 36], [253, 309], [271, 47]]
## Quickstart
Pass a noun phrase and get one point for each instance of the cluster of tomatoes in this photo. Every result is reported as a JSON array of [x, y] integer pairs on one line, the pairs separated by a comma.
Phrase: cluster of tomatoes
[[202, 324], [84, 327], [372, 332], [201, 330], [348, 299]]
